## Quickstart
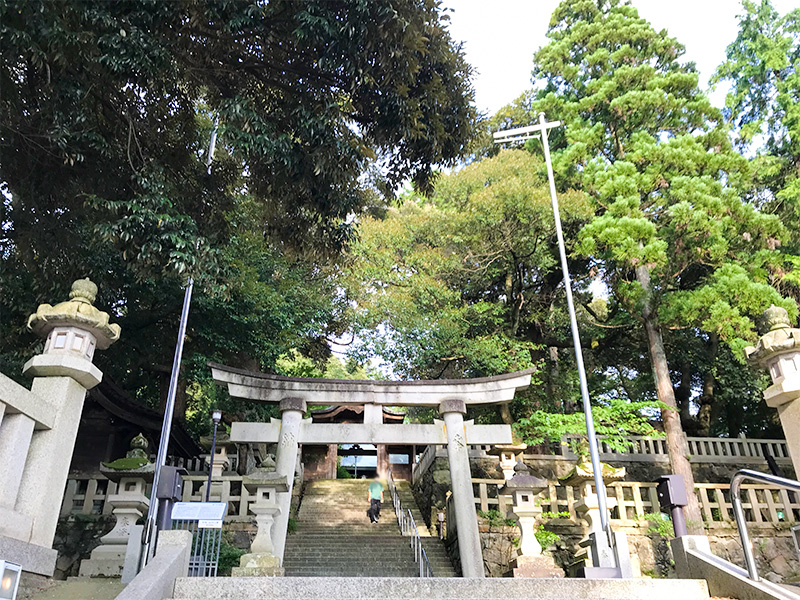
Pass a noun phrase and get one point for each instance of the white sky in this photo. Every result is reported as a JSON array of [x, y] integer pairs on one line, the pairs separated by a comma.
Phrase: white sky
[[501, 36]]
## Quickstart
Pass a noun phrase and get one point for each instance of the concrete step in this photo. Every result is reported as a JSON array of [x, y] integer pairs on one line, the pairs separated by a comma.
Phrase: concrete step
[[413, 588], [84, 588]]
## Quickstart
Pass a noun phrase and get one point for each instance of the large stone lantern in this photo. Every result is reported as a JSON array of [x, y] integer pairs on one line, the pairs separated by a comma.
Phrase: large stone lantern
[[524, 488], [606, 550], [778, 351], [37, 438], [261, 561], [129, 504]]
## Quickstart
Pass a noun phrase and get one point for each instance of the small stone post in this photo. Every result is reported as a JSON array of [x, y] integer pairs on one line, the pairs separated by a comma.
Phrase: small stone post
[[524, 489], [62, 374], [469, 539], [292, 412], [132, 474], [778, 351]]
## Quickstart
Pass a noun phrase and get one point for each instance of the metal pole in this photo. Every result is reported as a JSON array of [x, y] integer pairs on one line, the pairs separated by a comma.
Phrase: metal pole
[[211, 460], [166, 429], [576, 340]]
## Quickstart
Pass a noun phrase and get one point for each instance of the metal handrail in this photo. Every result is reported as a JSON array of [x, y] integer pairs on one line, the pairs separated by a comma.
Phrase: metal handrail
[[409, 527], [738, 510]]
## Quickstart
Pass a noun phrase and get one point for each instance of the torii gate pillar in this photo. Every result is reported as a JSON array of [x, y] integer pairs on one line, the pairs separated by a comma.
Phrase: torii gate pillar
[[292, 411], [469, 538]]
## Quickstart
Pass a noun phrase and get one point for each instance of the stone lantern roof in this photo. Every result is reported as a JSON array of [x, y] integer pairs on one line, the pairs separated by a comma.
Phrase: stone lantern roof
[[779, 337], [78, 311], [523, 480]]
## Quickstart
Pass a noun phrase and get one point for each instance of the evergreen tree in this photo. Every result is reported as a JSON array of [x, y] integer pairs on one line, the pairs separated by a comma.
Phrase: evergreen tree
[[644, 142]]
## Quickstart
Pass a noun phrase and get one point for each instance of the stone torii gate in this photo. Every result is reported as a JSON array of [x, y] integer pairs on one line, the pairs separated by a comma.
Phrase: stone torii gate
[[451, 397]]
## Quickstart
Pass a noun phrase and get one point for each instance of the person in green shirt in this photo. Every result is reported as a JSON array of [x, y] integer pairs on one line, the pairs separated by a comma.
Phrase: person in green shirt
[[375, 496]]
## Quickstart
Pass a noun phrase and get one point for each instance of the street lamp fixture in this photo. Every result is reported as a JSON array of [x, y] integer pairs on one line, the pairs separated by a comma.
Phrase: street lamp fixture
[[9, 580]]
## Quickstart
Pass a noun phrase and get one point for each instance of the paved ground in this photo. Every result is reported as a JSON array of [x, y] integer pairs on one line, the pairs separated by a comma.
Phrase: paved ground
[[77, 589]]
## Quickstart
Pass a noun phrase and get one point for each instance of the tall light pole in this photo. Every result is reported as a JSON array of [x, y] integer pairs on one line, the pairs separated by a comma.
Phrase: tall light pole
[[518, 135], [150, 528]]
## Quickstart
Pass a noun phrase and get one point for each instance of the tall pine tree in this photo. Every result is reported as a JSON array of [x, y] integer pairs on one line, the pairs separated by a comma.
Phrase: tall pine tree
[[645, 143]]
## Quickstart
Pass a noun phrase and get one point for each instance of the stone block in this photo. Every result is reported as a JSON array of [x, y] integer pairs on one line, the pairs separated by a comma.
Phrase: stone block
[[33, 558], [536, 566], [258, 565]]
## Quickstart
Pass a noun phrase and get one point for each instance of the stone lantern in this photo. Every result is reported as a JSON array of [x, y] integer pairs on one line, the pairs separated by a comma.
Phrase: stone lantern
[[222, 463], [607, 550], [261, 560], [129, 504], [73, 330], [778, 351], [38, 437], [510, 455], [524, 488]]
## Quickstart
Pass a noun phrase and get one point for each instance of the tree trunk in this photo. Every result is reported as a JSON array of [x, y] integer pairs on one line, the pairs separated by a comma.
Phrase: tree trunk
[[505, 414], [676, 440], [709, 383], [683, 394]]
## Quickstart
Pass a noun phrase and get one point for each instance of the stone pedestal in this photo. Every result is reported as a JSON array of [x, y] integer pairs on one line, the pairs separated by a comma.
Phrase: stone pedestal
[[108, 559], [536, 566]]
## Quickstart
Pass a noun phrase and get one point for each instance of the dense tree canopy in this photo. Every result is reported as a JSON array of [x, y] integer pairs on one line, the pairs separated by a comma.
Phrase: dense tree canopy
[[107, 108]]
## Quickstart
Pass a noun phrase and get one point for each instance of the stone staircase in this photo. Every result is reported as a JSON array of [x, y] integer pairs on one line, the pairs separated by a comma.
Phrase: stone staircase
[[334, 537]]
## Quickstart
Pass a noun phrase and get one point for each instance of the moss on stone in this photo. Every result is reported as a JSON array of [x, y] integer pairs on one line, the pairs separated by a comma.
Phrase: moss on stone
[[127, 464]]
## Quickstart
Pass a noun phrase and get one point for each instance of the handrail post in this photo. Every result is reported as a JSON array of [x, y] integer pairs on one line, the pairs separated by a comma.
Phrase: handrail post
[[738, 510]]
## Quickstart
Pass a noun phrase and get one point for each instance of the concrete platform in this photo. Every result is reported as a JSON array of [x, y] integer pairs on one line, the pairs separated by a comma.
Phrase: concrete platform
[[368, 588]]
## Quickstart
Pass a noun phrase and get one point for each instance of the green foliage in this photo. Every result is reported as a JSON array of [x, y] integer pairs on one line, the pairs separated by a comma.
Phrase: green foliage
[[546, 538], [229, 556], [555, 515], [660, 525], [342, 472], [292, 526], [127, 463], [763, 68], [614, 419], [322, 109], [496, 519]]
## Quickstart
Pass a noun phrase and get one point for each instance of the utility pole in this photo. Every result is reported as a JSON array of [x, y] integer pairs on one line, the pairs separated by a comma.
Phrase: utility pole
[[518, 135]]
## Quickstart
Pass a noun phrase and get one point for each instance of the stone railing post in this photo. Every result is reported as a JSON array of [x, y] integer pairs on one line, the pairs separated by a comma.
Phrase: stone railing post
[[469, 539], [292, 412], [62, 373]]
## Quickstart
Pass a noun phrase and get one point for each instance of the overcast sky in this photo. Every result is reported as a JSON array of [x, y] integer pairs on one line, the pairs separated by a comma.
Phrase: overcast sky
[[500, 37]]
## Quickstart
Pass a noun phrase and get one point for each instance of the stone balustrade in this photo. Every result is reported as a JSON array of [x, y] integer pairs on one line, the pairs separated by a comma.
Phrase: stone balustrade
[[763, 505]]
